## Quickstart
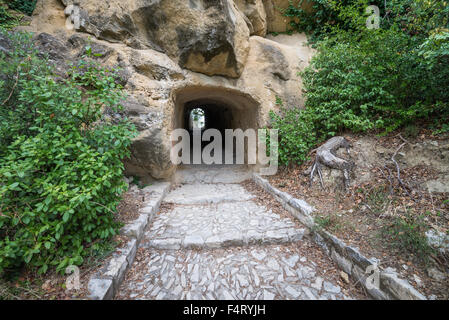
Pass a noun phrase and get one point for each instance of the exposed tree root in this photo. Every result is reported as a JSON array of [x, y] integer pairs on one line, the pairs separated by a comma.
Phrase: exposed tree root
[[325, 155]]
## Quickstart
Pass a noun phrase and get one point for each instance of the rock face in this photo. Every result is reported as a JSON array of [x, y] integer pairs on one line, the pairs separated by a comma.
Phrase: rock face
[[175, 53], [207, 36], [276, 22], [256, 17]]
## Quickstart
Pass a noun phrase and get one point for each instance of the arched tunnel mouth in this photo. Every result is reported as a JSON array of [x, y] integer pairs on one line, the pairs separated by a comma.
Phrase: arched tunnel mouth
[[203, 108]]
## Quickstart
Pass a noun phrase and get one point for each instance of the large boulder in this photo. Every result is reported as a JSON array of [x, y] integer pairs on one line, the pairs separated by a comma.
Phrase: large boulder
[[271, 72], [256, 17], [150, 151], [206, 36]]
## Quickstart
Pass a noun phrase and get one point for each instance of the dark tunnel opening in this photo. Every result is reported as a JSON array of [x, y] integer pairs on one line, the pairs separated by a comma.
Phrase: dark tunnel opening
[[221, 109]]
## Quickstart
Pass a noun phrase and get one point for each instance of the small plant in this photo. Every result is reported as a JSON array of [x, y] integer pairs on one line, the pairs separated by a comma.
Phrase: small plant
[[323, 221], [411, 131], [279, 101], [377, 200], [329, 222], [296, 134], [407, 233]]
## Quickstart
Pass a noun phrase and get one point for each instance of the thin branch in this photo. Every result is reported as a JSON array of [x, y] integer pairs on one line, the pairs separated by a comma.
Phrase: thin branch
[[16, 82]]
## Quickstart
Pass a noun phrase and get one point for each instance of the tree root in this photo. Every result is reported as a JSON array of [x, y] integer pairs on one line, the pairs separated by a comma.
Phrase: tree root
[[325, 155]]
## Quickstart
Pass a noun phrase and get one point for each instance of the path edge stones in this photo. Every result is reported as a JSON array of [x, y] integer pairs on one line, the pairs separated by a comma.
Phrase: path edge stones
[[348, 258], [104, 284]]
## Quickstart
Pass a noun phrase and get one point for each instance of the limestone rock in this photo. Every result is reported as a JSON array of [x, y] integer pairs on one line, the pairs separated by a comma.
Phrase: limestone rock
[[436, 274], [209, 37], [150, 155], [438, 240], [256, 17], [215, 39]]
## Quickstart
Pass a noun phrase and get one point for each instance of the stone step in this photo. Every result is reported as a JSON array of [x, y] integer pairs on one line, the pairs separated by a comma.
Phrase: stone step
[[238, 239], [219, 225], [212, 174], [207, 193]]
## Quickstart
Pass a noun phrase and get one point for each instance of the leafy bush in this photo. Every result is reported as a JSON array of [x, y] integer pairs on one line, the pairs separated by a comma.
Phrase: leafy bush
[[372, 81], [328, 15], [296, 134], [363, 79], [7, 20], [60, 159], [415, 17], [418, 17], [25, 6]]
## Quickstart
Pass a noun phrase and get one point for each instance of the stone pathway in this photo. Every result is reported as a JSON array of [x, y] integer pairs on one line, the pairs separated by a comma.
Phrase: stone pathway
[[214, 242]]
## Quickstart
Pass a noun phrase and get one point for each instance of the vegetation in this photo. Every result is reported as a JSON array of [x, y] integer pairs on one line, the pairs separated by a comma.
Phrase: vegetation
[[25, 6], [8, 20], [61, 151], [368, 79], [329, 222], [407, 234]]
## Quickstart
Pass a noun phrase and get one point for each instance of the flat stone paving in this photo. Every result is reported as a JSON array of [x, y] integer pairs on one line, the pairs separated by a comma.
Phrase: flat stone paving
[[245, 273], [214, 242], [230, 220]]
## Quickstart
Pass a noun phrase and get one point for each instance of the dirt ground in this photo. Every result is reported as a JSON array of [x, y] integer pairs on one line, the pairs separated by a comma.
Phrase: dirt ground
[[383, 216]]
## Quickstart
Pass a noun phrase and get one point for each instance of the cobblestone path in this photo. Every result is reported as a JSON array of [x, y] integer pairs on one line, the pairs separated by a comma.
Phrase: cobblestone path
[[213, 241]]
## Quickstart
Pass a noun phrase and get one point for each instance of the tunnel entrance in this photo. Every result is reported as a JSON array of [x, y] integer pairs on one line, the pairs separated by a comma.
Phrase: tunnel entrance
[[199, 109]]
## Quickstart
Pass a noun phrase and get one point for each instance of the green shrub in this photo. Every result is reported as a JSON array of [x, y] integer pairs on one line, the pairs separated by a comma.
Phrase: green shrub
[[296, 134], [365, 82], [328, 15], [25, 6], [408, 235], [418, 17], [414, 17], [7, 20], [60, 159], [363, 79]]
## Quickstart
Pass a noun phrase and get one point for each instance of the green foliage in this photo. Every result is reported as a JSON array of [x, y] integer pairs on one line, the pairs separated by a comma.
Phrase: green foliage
[[363, 79], [25, 6], [365, 82], [415, 17], [61, 157], [326, 16], [7, 20], [418, 17], [331, 222], [324, 221], [408, 234], [296, 134]]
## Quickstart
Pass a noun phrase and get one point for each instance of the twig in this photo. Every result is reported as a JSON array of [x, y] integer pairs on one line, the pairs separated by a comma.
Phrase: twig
[[398, 170], [13, 87], [312, 172], [30, 291], [16, 82], [103, 206]]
